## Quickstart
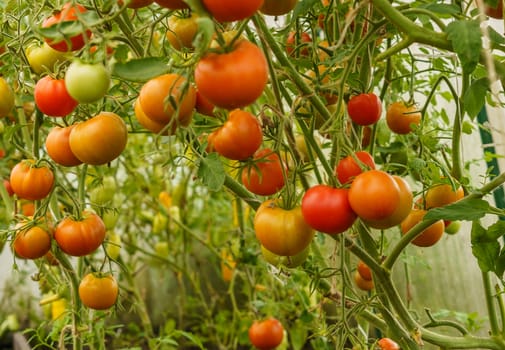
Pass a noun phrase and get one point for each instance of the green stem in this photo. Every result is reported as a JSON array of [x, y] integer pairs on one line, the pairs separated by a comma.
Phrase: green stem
[[39, 118], [241, 192], [122, 21], [490, 303]]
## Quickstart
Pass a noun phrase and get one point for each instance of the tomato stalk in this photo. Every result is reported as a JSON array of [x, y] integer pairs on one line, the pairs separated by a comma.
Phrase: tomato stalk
[[490, 303]]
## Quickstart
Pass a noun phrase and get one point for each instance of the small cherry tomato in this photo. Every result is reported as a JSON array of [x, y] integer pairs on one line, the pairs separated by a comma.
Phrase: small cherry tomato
[[265, 176], [388, 344], [364, 109], [352, 165], [52, 98], [400, 117]]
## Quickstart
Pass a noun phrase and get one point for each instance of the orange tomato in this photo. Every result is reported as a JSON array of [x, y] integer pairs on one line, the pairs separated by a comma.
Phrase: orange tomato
[[58, 146], [442, 194], [428, 236]]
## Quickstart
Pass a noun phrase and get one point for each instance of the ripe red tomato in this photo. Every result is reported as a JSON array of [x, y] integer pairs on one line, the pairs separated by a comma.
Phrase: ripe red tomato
[[327, 209], [374, 195], [87, 82], [52, 98], [31, 181], [150, 124], [203, 105], [401, 212], [79, 237], [172, 4], [299, 45], [69, 12], [31, 241], [98, 292], [232, 10], [282, 231], [266, 334], [265, 176], [99, 140], [388, 344], [364, 271], [428, 236], [240, 136], [353, 165], [168, 99], [364, 109], [400, 117], [58, 146], [232, 79], [277, 7], [442, 194]]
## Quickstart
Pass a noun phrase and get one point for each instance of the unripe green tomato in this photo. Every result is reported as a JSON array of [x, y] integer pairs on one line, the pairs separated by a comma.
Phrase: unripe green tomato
[[453, 227], [161, 249], [110, 218], [104, 192], [286, 261], [160, 223], [87, 83]]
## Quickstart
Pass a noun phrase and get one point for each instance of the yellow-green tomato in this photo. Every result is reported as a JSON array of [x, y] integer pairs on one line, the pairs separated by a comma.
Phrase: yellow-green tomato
[[113, 244], [6, 98], [286, 261], [87, 82], [453, 227], [44, 59]]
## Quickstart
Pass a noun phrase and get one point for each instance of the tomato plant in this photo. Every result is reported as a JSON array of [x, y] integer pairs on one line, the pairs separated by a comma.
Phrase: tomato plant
[[265, 175], [70, 12], [327, 209], [374, 195], [229, 10], [352, 165], [401, 117], [364, 109], [58, 146], [87, 82], [52, 98], [100, 139], [232, 79], [31, 241], [30, 180], [266, 334], [135, 4], [282, 231], [80, 236], [168, 99], [98, 292], [428, 236], [240, 136]]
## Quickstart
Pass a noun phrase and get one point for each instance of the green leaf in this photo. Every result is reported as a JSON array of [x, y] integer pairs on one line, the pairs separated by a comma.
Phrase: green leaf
[[466, 40], [496, 230], [475, 96], [465, 209], [142, 69], [486, 254], [500, 264], [211, 172], [442, 9]]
